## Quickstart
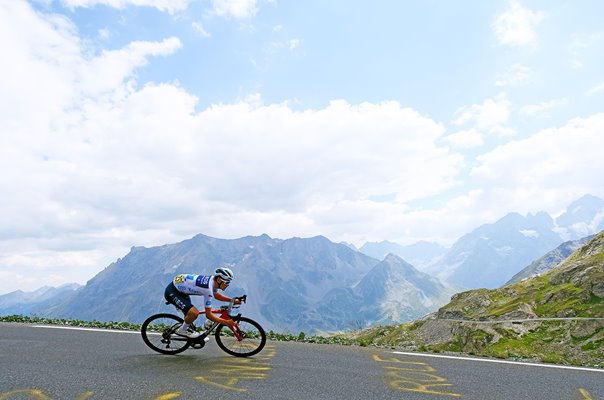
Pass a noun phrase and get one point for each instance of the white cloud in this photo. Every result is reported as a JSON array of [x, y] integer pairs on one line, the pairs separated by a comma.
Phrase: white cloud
[[599, 88], [489, 117], [104, 34], [517, 75], [516, 26], [576, 64], [170, 6], [108, 71], [238, 9], [290, 45], [294, 44], [198, 26], [542, 108], [580, 41], [544, 172], [46, 67], [527, 174], [465, 139], [582, 45], [336, 156]]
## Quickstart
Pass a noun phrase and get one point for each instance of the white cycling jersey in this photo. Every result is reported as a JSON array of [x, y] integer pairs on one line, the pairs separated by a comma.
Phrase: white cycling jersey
[[199, 285]]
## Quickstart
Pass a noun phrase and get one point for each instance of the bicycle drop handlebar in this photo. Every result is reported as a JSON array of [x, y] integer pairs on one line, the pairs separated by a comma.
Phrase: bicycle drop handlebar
[[229, 308]]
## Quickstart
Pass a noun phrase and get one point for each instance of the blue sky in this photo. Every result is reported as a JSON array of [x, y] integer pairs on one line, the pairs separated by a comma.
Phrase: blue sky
[[144, 122]]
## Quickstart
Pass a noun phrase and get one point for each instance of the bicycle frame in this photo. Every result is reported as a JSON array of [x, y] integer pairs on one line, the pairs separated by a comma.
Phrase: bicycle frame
[[225, 313]]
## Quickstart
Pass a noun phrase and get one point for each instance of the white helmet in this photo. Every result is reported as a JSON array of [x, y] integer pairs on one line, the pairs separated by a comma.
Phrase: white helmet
[[225, 274]]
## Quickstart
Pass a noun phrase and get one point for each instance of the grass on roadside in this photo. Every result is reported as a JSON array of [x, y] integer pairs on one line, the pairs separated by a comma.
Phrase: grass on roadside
[[127, 326]]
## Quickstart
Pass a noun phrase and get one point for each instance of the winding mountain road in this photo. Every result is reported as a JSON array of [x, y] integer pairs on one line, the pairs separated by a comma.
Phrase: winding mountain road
[[38, 362]]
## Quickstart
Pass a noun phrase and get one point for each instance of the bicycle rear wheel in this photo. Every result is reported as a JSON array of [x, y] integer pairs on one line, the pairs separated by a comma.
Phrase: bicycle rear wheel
[[158, 333], [252, 340]]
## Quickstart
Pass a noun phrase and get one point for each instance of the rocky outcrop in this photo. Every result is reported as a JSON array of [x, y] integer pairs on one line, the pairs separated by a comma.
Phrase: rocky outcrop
[[561, 341], [523, 311]]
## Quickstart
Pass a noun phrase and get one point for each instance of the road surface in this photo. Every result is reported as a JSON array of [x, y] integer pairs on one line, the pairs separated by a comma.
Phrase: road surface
[[39, 362]]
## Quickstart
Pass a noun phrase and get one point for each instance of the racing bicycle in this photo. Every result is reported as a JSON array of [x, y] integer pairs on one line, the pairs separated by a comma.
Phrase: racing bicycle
[[249, 338]]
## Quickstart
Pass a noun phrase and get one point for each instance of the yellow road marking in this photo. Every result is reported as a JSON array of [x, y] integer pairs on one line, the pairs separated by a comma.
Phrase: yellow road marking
[[33, 393], [168, 396], [38, 394], [585, 394], [228, 383], [414, 376], [228, 373]]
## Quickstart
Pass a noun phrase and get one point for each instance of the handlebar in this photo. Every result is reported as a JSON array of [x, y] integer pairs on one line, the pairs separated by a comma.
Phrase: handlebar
[[229, 308]]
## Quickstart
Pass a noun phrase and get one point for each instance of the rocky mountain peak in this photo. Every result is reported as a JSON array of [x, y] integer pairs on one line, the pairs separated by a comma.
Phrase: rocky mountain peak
[[581, 218]]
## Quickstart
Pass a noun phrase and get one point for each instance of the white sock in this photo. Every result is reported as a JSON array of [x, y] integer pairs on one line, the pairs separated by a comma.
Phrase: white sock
[[184, 326]]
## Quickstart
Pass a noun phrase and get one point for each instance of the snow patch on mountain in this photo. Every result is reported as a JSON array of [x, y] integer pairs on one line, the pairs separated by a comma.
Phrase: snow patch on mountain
[[529, 233]]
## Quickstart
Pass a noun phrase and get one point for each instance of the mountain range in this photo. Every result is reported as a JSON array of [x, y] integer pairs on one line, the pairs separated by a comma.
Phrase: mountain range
[[293, 285], [313, 284], [20, 302], [492, 254]]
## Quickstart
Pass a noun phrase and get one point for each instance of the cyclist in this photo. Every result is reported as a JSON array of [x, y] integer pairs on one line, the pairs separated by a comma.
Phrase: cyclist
[[181, 288]]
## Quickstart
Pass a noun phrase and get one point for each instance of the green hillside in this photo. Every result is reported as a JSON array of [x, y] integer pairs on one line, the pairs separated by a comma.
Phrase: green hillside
[[556, 317]]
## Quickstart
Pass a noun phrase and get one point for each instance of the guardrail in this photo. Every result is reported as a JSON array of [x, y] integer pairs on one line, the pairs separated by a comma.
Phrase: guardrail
[[496, 321]]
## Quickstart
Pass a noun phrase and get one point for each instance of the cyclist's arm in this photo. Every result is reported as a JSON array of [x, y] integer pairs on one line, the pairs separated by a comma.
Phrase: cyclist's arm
[[222, 297], [216, 318]]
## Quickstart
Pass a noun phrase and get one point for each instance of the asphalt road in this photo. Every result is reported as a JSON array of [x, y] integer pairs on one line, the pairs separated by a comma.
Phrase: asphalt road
[[51, 363]]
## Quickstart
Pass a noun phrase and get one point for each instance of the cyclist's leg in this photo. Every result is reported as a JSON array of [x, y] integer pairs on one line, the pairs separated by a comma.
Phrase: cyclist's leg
[[191, 315], [183, 303], [180, 300]]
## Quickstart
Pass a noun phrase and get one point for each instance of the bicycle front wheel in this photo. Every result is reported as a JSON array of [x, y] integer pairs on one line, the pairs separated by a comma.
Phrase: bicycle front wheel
[[252, 340], [158, 333]]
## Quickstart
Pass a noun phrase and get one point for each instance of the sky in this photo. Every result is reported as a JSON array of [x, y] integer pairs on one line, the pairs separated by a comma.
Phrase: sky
[[144, 122]]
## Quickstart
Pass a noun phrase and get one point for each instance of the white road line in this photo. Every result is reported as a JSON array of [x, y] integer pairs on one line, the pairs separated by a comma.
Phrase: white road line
[[83, 329], [499, 361]]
